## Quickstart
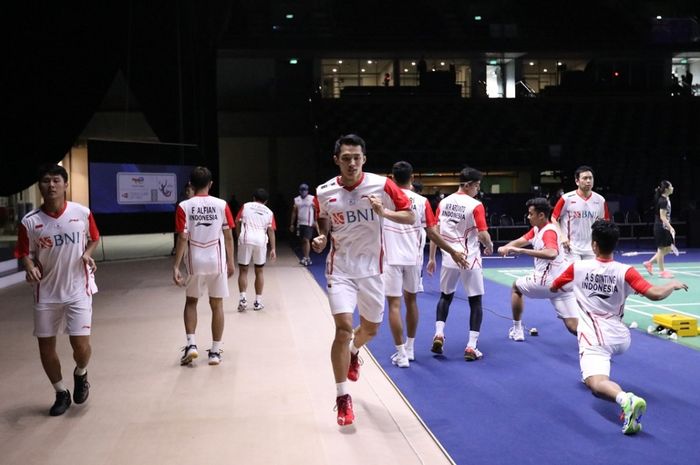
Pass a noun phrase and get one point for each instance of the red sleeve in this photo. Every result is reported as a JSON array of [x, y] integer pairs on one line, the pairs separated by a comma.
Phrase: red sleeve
[[636, 282], [92, 228], [22, 247], [430, 219], [317, 207], [400, 199], [606, 212], [566, 277], [480, 217], [550, 240], [240, 213], [229, 218], [180, 219], [274, 224], [558, 208], [528, 236]]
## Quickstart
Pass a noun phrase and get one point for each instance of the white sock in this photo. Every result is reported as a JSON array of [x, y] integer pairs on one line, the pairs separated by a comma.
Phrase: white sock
[[341, 388], [440, 328], [216, 346], [409, 343], [190, 340], [59, 386], [473, 339], [621, 397], [401, 349], [80, 371], [353, 350], [258, 298], [242, 296], [517, 324]]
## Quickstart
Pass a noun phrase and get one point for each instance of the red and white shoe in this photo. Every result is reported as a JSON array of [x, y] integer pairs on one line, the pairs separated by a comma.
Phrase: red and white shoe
[[649, 267], [354, 368], [666, 274], [343, 405]]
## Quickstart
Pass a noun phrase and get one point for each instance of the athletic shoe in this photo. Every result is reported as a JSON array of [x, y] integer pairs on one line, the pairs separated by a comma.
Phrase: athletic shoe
[[516, 334], [472, 353], [666, 274], [81, 388], [215, 357], [62, 403], [258, 306], [190, 353], [242, 305], [308, 262], [649, 267], [399, 360], [438, 342], [410, 354], [633, 408], [354, 368], [343, 404]]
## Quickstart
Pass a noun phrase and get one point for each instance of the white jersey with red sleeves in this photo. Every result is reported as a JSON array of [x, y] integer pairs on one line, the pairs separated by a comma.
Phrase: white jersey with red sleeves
[[576, 215], [461, 217], [601, 288], [255, 218], [56, 243], [357, 249], [404, 243], [203, 218], [546, 238], [306, 213]]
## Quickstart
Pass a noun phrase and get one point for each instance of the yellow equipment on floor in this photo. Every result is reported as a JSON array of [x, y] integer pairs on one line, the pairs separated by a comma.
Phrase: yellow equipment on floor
[[683, 325]]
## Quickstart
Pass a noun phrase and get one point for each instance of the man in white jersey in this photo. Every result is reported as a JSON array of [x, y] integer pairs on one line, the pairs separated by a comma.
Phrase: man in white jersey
[[351, 208], [256, 227], [404, 245], [55, 244], [204, 225], [304, 221], [574, 214], [462, 224], [601, 287], [549, 263]]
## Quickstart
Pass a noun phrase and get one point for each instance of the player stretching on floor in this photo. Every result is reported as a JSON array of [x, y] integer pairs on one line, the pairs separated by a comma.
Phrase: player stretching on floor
[[549, 263], [601, 287]]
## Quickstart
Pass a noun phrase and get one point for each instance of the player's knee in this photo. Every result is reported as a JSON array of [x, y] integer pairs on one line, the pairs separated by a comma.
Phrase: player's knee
[[343, 335], [571, 325]]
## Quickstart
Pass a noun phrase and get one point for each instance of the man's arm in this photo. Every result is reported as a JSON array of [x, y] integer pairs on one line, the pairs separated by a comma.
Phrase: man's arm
[[271, 239], [661, 292], [93, 240], [559, 210], [319, 242], [293, 223], [401, 216], [485, 239], [228, 244], [179, 253]]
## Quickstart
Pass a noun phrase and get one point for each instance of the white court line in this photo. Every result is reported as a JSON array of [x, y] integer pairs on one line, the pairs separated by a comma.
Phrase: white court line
[[686, 273], [664, 307], [628, 307]]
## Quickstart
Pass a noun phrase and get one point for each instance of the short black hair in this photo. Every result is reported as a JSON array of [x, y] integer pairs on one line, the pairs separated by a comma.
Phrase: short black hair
[[402, 171], [52, 169], [260, 195], [469, 174], [540, 204], [200, 177], [349, 139], [582, 169], [606, 234]]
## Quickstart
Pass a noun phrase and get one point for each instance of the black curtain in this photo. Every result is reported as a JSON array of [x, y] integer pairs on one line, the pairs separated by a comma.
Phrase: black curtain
[[62, 62]]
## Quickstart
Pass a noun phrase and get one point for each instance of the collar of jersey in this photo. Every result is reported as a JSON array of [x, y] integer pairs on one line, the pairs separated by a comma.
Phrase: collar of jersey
[[582, 197], [604, 260], [55, 214], [351, 188]]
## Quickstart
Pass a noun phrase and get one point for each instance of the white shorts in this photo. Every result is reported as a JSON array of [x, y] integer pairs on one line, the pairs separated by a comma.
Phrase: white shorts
[[215, 285], [257, 253], [572, 257], [595, 360], [398, 278], [564, 302], [77, 315], [472, 280], [344, 294]]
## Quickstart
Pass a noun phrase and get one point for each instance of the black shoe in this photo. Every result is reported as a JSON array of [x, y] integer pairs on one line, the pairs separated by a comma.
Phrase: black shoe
[[62, 403], [81, 388]]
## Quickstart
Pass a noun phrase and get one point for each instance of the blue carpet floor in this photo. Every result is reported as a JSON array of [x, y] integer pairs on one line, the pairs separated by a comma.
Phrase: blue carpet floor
[[524, 402]]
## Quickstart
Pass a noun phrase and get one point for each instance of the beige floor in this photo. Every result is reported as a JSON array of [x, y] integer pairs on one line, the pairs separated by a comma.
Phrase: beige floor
[[270, 402]]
